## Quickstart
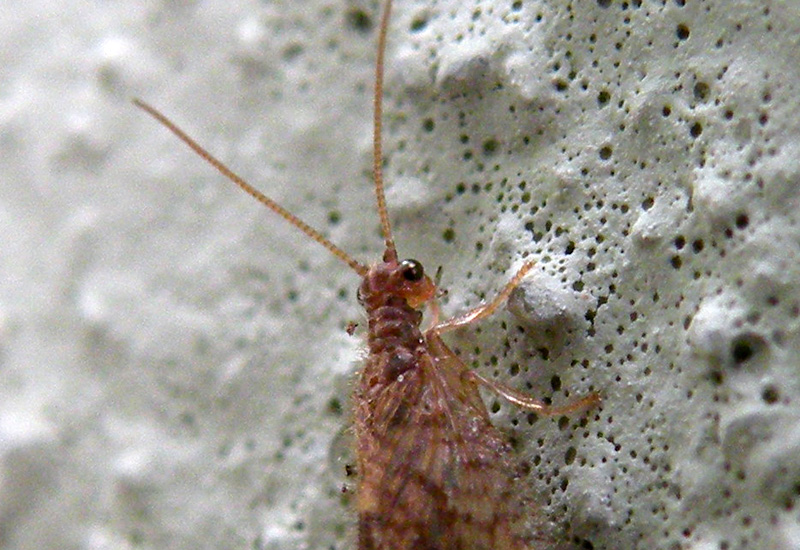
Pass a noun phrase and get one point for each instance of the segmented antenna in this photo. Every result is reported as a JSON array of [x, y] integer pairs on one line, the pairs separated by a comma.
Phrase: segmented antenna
[[390, 254], [250, 190]]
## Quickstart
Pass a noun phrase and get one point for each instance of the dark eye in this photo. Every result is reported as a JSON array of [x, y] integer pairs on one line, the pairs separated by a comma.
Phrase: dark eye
[[412, 270]]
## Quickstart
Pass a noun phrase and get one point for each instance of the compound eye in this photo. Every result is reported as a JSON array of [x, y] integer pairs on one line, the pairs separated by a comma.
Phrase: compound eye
[[412, 270]]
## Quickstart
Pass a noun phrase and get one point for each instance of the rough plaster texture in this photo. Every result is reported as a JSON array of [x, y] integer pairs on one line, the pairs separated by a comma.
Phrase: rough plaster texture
[[175, 368]]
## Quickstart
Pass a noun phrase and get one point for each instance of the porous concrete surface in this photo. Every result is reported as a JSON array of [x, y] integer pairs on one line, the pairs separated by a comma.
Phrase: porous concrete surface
[[175, 369]]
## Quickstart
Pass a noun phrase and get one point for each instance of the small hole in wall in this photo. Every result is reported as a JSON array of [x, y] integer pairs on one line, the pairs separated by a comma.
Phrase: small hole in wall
[[701, 90], [745, 346], [418, 24], [359, 20], [770, 395], [741, 351], [742, 221]]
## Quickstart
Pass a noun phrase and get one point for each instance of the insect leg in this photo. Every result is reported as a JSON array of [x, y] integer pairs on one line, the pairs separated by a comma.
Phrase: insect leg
[[516, 397], [486, 309], [530, 404]]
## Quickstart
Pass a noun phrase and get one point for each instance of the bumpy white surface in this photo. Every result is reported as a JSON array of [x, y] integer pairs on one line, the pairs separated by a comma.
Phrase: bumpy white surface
[[174, 366]]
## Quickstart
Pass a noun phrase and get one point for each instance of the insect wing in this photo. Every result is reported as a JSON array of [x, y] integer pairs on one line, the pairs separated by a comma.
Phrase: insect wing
[[435, 473]]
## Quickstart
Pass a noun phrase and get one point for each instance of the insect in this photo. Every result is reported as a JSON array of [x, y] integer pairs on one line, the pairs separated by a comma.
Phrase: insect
[[434, 473]]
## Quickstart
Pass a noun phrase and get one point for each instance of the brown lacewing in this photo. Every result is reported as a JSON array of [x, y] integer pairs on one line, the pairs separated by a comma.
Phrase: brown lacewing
[[433, 472]]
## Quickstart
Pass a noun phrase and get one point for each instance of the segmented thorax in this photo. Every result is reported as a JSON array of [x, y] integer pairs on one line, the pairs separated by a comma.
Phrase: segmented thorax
[[391, 293]]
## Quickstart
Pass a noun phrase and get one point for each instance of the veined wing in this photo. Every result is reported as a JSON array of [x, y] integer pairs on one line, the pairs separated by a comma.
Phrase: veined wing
[[434, 473]]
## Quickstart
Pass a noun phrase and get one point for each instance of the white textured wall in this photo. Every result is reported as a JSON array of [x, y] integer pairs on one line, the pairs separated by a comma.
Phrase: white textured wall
[[173, 362]]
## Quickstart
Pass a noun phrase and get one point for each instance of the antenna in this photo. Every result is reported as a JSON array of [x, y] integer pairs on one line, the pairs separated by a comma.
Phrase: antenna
[[390, 254], [252, 191]]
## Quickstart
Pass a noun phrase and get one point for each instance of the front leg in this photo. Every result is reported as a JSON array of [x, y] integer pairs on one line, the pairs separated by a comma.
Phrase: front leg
[[518, 398], [485, 309]]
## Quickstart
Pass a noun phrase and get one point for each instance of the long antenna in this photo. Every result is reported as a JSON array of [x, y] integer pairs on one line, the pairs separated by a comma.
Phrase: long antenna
[[250, 190], [390, 254]]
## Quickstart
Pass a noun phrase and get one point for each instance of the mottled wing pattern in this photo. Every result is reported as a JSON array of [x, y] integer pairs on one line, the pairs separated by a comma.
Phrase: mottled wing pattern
[[434, 473]]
